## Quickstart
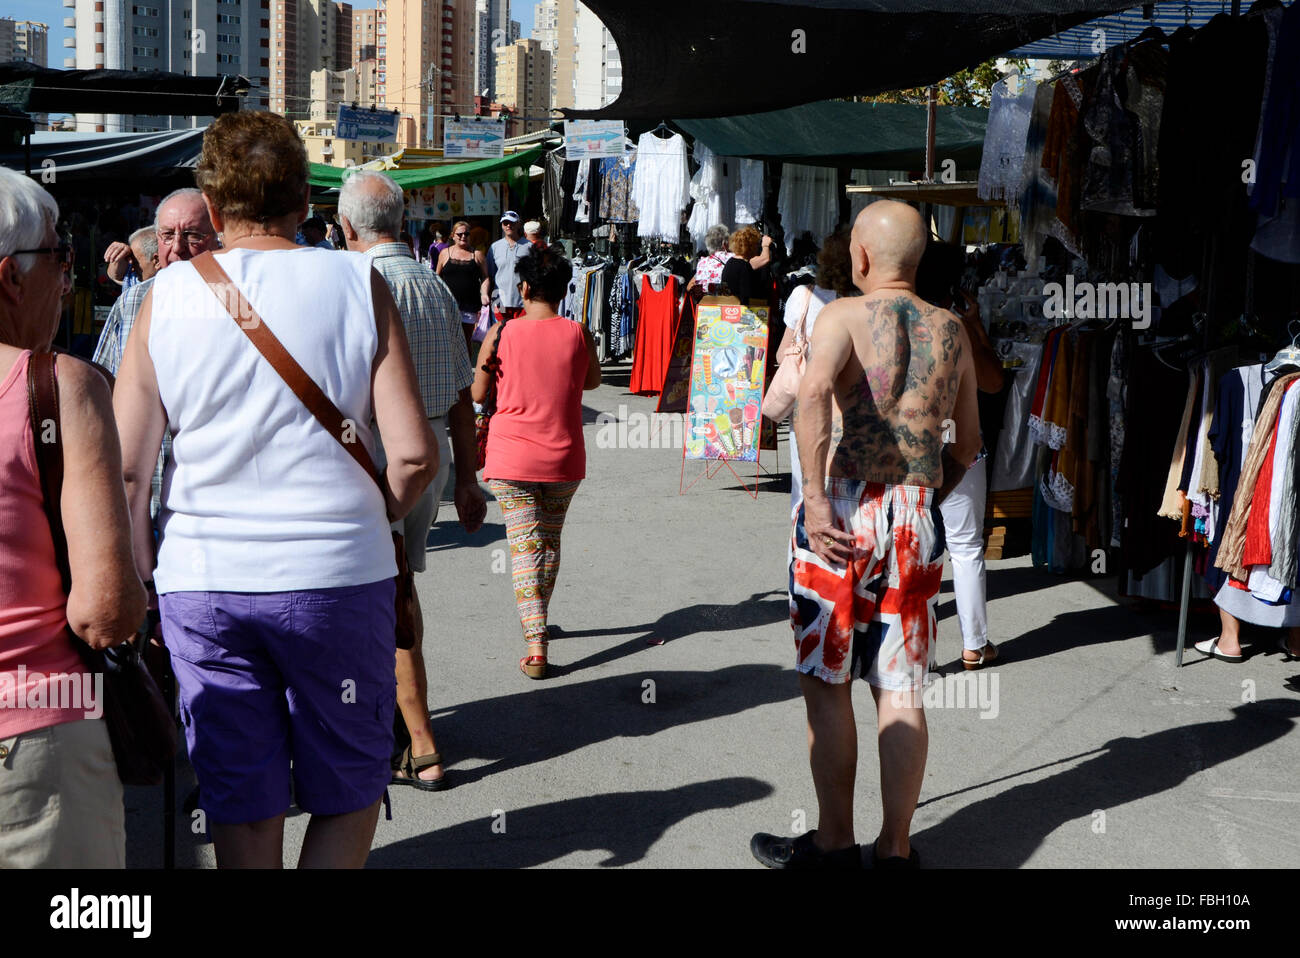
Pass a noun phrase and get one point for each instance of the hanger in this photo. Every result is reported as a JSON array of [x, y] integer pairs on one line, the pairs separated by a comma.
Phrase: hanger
[[1152, 32], [663, 125], [1288, 356]]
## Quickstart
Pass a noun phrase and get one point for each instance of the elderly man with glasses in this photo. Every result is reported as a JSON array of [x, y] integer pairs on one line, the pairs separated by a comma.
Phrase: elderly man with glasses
[[184, 231]]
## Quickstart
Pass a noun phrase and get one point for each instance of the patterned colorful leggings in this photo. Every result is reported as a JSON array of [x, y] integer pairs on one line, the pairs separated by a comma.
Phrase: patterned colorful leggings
[[534, 517]]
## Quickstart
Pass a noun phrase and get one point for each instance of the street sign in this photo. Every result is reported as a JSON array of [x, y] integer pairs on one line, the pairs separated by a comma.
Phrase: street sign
[[592, 139], [482, 138], [373, 126]]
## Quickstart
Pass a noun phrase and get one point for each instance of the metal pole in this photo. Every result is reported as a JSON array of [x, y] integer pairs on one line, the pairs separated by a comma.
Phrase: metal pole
[[931, 118]]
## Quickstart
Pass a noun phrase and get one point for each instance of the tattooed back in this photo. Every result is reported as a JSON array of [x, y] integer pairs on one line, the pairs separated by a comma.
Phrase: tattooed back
[[899, 382]]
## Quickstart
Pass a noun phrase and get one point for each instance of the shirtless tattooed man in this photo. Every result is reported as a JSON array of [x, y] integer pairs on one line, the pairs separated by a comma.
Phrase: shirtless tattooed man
[[886, 373]]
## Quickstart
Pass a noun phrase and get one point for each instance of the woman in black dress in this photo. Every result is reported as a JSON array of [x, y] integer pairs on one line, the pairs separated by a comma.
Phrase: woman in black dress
[[464, 270]]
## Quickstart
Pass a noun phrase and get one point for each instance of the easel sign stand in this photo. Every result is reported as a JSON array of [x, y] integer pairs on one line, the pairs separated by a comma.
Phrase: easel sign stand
[[728, 378]]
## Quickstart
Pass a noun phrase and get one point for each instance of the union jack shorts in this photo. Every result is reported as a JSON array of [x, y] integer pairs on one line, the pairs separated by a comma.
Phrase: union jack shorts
[[875, 617]]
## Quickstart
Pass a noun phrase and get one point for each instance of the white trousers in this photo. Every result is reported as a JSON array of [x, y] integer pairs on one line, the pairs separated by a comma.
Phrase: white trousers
[[963, 524]]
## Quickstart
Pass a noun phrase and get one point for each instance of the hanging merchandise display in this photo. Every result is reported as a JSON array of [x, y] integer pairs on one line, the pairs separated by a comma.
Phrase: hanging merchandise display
[[1002, 165], [713, 188], [749, 194], [809, 202], [1149, 414], [661, 186], [657, 305], [616, 177]]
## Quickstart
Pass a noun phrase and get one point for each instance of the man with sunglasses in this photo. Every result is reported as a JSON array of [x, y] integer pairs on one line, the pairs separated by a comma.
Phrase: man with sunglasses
[[503, 259], [184, 231]]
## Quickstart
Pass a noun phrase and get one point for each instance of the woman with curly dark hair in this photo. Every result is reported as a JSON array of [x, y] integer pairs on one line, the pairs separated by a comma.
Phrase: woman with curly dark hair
[[536, 457]]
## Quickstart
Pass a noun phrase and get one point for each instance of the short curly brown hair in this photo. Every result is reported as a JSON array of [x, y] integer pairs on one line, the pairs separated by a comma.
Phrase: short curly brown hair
[[834, 266], [745, 242], [253, 166]]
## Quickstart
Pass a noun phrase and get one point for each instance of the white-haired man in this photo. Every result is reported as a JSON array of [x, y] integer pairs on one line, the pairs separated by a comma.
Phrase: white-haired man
[[135, 260], [371, 207], [183, 231]]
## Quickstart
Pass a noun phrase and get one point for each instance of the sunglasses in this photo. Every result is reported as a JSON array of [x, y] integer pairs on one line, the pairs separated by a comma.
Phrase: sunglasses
[[460, 235], [63, 251]]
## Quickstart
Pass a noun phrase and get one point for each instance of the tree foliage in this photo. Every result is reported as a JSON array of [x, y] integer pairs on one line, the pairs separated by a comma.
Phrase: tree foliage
[[970, 87]]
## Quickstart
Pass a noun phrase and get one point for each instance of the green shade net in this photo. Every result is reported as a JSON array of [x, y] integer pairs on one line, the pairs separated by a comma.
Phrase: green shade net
[[512, 169], [869, 136]]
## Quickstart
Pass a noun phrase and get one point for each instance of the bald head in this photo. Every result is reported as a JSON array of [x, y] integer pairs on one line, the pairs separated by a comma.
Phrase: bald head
[[892, 236]]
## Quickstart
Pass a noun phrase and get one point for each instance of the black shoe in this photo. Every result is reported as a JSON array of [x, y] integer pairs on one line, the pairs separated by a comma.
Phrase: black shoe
[[896, 862], [776, 851]]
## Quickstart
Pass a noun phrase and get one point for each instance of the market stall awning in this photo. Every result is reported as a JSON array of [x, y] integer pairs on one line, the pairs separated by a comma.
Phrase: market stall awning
[[1084, 42], [684, 58], [473, 171], [867, 136], [108, 155], [149, 93]]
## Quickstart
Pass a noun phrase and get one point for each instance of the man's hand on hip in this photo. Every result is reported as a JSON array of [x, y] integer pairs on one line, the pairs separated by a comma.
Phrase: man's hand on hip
[[828, 543]]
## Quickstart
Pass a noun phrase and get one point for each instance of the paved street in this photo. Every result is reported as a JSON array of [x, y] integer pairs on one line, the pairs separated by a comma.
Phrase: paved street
[[672, 729]]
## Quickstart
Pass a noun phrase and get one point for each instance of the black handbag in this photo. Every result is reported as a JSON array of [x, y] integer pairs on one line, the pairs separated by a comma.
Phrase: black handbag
[[140, 725]]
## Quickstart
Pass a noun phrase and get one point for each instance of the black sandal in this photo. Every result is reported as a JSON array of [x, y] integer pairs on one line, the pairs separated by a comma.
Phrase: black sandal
[[412, 766]]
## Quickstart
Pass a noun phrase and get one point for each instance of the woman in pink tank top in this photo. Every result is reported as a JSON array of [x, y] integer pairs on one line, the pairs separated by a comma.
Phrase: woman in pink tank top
[[536, 457], [60, 796]]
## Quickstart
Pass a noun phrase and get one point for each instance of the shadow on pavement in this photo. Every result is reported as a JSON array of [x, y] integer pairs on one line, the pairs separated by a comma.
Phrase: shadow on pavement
[[543, 720], [755, 612], [1004, 830], [448, 533], [624, 824]]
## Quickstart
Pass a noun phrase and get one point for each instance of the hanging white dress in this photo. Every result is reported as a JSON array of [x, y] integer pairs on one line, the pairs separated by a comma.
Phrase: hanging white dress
[[749, 195], [808, 202], [661, 186], [713, 188]]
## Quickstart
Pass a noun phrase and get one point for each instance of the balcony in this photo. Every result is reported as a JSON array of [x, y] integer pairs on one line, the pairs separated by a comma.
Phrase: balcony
[[69, 63], [70, 42], [70, 4], [70, 22]]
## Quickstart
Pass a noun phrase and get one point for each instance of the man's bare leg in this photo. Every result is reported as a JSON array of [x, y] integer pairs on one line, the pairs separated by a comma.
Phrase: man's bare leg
[[903, 743], [413, 698], [257, 844], [339, 841], [833, 754]]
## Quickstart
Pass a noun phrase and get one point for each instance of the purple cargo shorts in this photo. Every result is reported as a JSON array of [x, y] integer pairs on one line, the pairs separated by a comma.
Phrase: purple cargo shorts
[[266, 679]]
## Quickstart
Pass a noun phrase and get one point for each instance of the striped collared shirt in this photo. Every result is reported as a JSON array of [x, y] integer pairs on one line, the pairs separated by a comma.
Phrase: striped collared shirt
[[108, 353], [433, 326]]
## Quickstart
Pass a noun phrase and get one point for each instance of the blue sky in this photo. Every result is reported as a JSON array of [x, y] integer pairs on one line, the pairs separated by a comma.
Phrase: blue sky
[[53, 12]]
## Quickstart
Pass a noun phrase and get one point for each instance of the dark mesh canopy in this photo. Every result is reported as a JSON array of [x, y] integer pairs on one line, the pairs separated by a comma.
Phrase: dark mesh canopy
[[709, 58], [151, 93]]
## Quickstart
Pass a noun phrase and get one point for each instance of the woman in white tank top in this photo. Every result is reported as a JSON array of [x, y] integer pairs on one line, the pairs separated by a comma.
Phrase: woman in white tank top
[[274, 564]]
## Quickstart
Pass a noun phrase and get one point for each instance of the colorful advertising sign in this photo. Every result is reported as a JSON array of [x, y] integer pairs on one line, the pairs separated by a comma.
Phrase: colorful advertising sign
[[728, 375]]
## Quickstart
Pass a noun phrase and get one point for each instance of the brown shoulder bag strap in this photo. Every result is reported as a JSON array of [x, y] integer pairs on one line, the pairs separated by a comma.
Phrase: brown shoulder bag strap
[[294, 376], [47, 438]]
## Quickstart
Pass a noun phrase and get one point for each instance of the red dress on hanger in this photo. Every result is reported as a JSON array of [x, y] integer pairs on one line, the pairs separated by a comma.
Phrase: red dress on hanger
[[656, 313]]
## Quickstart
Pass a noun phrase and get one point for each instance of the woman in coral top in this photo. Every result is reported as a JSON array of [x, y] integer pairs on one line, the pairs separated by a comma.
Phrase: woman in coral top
[[536, 457]]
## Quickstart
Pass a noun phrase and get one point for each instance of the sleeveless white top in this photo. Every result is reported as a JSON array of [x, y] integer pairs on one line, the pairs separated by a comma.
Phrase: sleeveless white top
[[258, 497]]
